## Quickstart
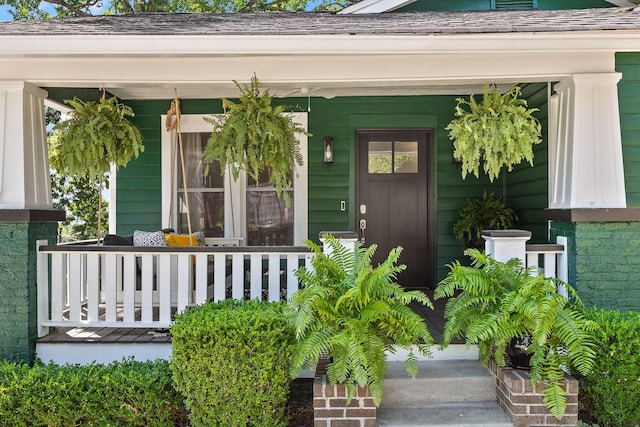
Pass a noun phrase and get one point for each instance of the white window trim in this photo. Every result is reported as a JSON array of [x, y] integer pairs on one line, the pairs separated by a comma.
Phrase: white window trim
[[194, 123]]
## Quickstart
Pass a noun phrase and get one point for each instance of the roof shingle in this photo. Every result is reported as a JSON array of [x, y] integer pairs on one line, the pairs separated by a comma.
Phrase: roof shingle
[[323, 23]]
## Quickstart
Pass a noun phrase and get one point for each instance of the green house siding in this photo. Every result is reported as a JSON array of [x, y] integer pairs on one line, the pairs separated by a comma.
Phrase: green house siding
[[139, 184], [439, 5], [629, 102], [527, 187]]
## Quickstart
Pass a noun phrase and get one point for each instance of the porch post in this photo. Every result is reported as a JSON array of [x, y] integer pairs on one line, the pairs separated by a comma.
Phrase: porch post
[[503, 245], [26, 213], [348, 239], [585, 145]]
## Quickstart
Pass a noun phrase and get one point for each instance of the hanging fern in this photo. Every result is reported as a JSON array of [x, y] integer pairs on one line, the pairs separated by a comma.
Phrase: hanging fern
[[499, 131], [96, 135], [492, 302], [355, 313], [255, 136]]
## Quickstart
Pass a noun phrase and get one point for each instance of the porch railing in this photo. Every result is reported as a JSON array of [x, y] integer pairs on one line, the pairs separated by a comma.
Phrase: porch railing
[[121, 286], [548, 259]]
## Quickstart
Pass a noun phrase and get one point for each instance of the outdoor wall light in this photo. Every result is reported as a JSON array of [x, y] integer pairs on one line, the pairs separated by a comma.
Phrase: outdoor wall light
[[328, 149]]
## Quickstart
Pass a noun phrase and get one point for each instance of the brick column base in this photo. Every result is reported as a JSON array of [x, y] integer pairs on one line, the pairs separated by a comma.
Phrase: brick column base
[[330, 407], [524, 405]]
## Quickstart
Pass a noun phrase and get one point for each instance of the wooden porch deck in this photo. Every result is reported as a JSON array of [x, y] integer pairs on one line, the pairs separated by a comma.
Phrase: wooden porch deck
[[433, 318]]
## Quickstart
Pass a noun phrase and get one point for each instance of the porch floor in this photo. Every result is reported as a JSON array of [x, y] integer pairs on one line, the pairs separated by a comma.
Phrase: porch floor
[[433, 318]]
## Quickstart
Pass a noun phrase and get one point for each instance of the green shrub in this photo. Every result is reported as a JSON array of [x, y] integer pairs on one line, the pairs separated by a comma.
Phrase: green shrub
[[128, 393], [612, 390], [231, 361]]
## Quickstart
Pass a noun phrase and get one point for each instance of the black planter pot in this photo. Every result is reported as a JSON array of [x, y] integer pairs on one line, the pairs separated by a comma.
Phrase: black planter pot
[[519, 357]]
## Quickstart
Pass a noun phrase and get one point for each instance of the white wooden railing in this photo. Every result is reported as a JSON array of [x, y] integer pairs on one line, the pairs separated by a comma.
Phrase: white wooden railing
[[122, 286], [548, 259]]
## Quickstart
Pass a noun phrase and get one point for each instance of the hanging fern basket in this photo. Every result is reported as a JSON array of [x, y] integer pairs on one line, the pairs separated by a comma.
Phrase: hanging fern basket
[[97, 135], [256, 136], [499, 131]]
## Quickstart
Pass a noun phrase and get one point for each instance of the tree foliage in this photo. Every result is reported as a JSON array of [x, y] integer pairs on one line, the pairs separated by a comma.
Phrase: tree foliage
[[37, 9], [497, 131], [77, 196], [491, 302], [355, 312]]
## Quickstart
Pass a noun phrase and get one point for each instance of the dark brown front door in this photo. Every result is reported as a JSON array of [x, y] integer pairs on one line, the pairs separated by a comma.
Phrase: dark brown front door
[[394, 198]]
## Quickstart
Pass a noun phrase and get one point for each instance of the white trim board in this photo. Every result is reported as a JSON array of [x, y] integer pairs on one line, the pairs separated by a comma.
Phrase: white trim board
[[382, 6]]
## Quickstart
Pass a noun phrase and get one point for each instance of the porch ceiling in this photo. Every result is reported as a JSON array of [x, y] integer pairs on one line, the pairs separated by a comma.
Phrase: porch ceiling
[[146, 56]]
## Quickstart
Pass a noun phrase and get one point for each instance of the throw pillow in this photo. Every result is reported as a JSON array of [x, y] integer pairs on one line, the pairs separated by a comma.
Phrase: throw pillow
[[149, 238]]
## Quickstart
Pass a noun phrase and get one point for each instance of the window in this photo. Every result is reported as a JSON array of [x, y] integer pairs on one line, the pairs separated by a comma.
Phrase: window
[[222, 207], [393, 157]]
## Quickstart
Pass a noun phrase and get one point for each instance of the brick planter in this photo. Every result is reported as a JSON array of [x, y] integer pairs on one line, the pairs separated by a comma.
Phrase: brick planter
[[330, 407], [524, 405]]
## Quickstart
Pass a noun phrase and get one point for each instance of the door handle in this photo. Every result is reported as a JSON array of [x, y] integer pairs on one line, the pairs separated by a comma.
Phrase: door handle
[[363, 227]]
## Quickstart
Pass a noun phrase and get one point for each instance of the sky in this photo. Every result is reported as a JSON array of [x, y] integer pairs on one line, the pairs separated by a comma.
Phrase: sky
[[4, 15]]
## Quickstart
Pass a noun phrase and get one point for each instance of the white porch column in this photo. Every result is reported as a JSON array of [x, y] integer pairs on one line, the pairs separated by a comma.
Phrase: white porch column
[[24, 161], [503, 245], [585, 145]]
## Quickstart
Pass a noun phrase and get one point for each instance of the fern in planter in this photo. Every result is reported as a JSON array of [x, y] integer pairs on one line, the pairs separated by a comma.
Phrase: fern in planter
[[354, 313], [488, 213], [499, 131], [490, 303], [256, 136], [96, 135]]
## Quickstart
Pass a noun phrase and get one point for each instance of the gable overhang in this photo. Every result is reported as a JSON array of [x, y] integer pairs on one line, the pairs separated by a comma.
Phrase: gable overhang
[[148, 67], [382, 6]]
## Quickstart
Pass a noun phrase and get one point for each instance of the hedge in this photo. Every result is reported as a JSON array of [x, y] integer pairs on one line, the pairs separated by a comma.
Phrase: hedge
[[119, 394], [610, 395], [231, 362]]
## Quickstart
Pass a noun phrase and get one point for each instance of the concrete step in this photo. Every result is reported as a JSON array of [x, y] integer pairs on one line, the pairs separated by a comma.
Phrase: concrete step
[[445, 381], [484, 414]]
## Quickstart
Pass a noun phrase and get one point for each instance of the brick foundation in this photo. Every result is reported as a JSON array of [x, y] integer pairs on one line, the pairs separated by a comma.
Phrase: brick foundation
[[524, 405], [330, 407]]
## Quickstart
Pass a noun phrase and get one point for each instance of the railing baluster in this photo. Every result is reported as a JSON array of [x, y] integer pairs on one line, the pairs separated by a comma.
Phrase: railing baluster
[[147, 288], [237, 276], [292, 280], [110, 289], [129, 269], [256, 276], [58, 284], [219, 277], [201, 279], [274, 277], [93, 287], [163, 279], [184, 281]]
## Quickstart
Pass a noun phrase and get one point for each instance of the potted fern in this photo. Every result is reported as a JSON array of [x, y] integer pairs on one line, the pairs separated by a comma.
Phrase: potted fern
[[256, 136], [486, 213], [491, 303], [95, 136], [499, 131], [355, 313]]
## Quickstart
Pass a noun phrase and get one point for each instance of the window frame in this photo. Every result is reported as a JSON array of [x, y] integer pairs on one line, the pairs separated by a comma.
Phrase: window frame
[[236, 190]]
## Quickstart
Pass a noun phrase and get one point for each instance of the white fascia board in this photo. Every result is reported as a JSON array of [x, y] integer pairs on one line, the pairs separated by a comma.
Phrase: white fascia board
[[381, 6], [188, 46], [622, 3], [374, 6]]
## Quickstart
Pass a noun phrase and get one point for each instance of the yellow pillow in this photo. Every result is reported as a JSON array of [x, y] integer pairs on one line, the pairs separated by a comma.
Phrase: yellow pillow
[[181, 240]]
